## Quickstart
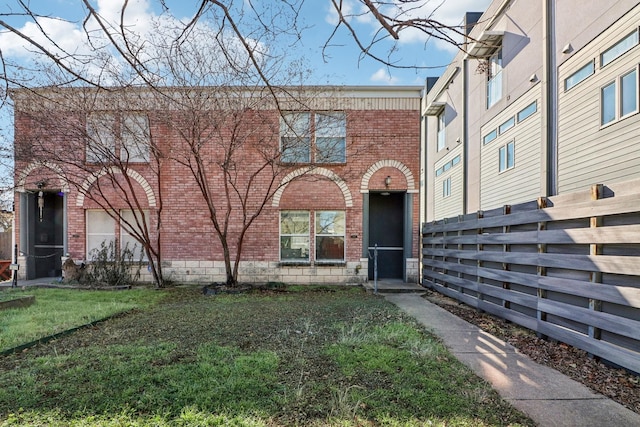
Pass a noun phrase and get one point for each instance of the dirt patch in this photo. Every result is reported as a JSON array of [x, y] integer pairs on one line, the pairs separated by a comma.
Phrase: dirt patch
[[617, 384]]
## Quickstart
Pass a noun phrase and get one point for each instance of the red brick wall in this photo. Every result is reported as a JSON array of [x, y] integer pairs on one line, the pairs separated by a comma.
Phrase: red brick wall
[[187, 231]]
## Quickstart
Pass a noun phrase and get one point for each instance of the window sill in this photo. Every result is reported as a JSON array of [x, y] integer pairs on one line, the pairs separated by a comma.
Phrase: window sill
[[309, 264]]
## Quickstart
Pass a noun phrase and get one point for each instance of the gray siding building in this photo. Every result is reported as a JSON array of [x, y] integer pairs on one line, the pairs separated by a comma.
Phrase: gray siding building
[[544, 101]]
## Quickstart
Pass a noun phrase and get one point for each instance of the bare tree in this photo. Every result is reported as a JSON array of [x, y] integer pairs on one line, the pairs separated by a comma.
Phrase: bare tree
[[394, 18]]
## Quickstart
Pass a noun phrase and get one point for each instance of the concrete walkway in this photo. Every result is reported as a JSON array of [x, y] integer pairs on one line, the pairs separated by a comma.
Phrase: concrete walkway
[[544, 394]]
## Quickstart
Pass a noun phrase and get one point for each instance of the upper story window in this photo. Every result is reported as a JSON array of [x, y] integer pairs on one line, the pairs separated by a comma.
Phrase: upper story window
[[619, 48], [441, 131], [580, 75], [110, 135], [326, 140], [494, 79], [619, 98], [527, 111], [101, 137]]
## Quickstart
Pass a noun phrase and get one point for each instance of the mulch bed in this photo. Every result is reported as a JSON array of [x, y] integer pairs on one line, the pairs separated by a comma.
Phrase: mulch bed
[[617, 384]]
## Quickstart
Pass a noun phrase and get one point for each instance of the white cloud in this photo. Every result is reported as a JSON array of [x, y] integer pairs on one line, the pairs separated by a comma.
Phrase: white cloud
[[383, 76], [352, 10]]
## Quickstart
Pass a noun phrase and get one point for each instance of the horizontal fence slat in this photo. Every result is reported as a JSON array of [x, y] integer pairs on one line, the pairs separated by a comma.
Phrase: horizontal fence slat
[[606, 321], [601, 235], [575, 260], [622, 295], [598, 263]]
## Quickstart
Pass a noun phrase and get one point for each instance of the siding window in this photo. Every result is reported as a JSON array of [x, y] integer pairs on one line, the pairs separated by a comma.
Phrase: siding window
[[136, 138], [331, 135], [330, 232], [101, 137], [507, 125], [441, 131], [446, 187], [494, 79], [294, 236], [619, 48], [608, 104], [489, 137], [507, 156], [619, 98], [527, 111], [629, 93], [579, 75]]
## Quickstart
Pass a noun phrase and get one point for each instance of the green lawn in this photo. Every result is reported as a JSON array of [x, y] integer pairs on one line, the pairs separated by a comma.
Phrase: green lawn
[[58, 310], [317, 357]]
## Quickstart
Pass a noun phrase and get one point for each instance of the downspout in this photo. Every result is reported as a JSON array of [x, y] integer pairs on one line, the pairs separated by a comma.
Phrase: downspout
[[551, 100], [465, 133]]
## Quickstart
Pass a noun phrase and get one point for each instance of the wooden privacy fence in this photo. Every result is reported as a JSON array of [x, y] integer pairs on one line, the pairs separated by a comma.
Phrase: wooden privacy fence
[[567, 267]]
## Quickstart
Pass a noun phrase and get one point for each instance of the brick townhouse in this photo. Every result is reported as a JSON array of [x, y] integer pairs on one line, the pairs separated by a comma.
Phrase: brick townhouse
[[325, 213]]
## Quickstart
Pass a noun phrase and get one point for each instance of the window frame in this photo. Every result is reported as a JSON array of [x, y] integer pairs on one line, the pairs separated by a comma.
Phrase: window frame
[[509, 160], [139, 140], [441, 136], [489, 137], [620, 44], [88, 234], [336, 133], [527, 111], [570, 84], [318, 236], [510, 123], [494, 78], [100, 127], [446, 187], [139, 254], [306, 234], [614, 105], [310, 133]]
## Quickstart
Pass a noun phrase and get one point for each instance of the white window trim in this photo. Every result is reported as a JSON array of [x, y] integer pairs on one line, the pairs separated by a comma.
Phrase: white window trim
[[446, 187], [505, 146], [307, 235], [618, 98], [316, 235]]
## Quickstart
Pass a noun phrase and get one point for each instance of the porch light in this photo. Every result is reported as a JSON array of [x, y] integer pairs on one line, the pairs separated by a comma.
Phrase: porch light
[[40, 185], [387, 181]]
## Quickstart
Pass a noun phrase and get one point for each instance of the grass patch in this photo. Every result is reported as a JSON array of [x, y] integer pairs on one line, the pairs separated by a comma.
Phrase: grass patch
[[58, 310], [316, 358]]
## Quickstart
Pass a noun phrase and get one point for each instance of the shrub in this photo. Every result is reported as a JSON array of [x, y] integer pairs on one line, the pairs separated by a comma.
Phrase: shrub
[[112, 267]]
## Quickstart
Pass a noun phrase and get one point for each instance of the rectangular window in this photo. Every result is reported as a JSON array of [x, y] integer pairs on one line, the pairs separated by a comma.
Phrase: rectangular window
[[507, 125], [101, 228], [440, 171], [101, 138], [527, 111], [128, 224], [136, 138], [489, 137], [629, 93], [455, 160], [494, 79], [619, 48], [331, 135], [294, 236], [608, 104], [579, 75], [507, 156], [441, 131], [295, 137], [330, 233], [446, 187]]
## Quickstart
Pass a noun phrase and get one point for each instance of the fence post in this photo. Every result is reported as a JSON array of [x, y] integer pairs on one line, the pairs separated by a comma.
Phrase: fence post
[[541, 271], [595, 250], [506, 210], [479, 249]]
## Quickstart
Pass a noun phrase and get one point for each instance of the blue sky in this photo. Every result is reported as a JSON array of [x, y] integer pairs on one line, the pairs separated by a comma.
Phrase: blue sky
[[343, 66]]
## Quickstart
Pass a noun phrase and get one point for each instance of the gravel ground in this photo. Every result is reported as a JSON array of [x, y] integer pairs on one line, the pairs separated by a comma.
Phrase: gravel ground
[[617, 384]]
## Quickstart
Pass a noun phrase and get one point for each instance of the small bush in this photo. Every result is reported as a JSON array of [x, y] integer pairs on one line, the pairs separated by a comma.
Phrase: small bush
[[111, 267]]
